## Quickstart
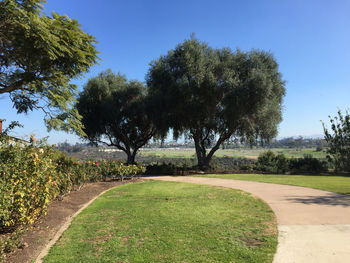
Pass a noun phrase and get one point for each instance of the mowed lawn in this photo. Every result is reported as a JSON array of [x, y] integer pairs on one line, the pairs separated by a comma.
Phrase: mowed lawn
[[336, 184], [158, 221]]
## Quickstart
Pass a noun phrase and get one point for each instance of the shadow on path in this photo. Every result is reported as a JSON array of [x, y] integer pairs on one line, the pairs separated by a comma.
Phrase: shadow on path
[[332, 199]]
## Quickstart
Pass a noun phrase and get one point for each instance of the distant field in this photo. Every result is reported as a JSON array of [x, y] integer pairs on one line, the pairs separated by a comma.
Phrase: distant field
[[242, 153]]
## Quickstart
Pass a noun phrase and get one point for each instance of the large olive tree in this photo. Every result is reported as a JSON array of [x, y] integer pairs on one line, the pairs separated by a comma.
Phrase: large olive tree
[[115, 113], [211, 95], [39, 55]]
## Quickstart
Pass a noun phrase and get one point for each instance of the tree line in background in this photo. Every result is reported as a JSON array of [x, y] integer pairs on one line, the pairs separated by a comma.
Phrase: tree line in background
[[319, 144]]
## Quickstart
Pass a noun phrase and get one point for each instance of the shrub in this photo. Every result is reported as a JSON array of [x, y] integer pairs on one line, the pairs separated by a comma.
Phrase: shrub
[[270, 162], [32, 175], [122, 171], [308, 164], [167, 169], [28, 183], [9, 242], [339, 142], [247, 167]]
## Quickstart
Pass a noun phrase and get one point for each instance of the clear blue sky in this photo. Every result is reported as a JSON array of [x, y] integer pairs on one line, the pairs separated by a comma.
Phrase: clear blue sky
[[309, 39]]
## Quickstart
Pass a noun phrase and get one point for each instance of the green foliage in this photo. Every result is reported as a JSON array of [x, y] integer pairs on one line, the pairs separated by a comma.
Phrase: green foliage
[[308, 164], [279, 163], [27, 184], [247, 167], [39, 55], [32, 175], [167, 169], [9, 242], [339, 141], [122, 171], [115, 112], [270, 162], [211, 95], [12, 125]]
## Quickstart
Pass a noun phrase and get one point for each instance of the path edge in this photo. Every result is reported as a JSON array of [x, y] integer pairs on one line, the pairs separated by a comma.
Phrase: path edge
[[66, 224], [279, 232]]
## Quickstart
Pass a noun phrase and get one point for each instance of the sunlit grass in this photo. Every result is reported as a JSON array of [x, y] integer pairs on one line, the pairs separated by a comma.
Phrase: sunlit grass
[[170, 222]]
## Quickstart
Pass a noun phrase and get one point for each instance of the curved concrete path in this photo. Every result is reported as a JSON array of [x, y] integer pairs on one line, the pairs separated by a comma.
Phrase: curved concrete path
[[313, 225]]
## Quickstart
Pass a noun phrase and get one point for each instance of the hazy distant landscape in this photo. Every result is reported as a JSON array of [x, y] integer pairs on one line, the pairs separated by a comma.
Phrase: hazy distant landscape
[[233, 157], [188, 153]]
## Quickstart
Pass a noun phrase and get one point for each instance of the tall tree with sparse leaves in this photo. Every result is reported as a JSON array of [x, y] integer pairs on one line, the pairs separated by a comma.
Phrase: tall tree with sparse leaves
[[211, 95], [338, 140], [39, 55], [115, 113]]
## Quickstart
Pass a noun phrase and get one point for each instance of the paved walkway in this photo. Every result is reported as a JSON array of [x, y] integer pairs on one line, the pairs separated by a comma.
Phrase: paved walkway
[[313, 225]]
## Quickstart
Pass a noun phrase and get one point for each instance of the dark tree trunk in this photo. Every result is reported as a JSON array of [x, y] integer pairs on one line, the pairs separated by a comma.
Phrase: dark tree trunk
[[203, 160], [131, 157], [202, 156]]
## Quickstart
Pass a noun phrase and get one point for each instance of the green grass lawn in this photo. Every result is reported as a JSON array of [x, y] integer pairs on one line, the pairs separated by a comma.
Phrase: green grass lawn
[[240, 152], [171, 222], [337, 184]]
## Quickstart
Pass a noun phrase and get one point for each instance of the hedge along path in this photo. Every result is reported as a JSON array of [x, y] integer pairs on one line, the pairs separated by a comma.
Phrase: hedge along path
[[313, 225]]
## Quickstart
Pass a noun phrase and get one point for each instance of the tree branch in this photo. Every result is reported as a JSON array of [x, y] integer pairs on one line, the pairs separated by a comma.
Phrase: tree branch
[[221, 139]]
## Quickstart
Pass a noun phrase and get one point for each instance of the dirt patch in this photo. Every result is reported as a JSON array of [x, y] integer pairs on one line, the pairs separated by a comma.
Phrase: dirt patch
[[125, 240], [99, 239], [253, 157], [58, 212], [251, 242]]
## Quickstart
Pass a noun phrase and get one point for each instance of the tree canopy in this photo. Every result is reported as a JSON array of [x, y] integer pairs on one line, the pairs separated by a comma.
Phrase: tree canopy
[[338, 139], [39, 55], [211, 95], [115, 113]]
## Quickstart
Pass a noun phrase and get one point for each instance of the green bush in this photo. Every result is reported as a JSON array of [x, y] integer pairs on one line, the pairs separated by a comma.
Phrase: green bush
[[338, 140], [122, 171], [308, 164], [272, 163], [247, 167], [167, 169], [27, 183], [32, 175]]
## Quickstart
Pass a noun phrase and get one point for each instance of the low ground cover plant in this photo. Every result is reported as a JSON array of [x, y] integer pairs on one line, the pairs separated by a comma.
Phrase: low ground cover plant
[[33, 174]]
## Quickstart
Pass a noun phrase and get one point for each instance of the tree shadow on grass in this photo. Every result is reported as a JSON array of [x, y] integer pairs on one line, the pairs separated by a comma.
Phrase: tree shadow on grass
[[331, 199]]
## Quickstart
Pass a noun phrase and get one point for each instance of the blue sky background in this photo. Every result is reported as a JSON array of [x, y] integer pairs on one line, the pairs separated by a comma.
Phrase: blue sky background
[[309, 39]]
